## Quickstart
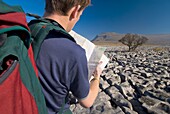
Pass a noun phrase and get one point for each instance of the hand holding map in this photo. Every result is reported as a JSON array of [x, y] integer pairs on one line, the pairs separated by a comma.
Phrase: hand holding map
[[94, 54]]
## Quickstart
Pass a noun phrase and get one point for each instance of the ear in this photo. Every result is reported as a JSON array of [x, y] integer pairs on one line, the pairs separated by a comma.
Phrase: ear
[[74, 12]]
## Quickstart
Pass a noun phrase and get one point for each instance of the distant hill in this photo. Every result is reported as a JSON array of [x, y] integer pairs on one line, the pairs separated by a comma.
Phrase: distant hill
[[111, 37]]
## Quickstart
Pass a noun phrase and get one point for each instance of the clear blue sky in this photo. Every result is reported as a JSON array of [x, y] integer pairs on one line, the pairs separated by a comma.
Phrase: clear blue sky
[[120, 16]]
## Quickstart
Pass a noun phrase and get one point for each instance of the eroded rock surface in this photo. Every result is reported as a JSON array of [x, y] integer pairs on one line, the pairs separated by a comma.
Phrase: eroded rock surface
[[133, 83]]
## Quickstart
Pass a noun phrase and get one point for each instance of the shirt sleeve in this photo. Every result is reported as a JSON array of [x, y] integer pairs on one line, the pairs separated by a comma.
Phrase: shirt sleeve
[[80, 84]]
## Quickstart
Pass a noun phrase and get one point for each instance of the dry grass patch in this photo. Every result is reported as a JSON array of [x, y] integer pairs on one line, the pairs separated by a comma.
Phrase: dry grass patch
[[108, 43]]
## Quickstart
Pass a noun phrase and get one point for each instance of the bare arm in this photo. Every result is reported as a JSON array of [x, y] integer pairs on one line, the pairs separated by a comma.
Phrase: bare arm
[[94, 89]]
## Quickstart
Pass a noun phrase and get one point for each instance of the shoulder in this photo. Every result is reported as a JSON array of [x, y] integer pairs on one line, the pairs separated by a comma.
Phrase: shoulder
[[65, 46]]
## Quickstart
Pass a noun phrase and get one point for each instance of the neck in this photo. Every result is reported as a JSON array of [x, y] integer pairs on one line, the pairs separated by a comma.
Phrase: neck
[[62, 20]]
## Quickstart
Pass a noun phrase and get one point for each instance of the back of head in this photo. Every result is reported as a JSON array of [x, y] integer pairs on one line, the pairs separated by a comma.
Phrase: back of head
[[63, 6]]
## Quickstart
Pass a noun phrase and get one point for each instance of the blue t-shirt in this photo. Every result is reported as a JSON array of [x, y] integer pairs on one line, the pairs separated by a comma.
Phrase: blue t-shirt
[[62, 67]]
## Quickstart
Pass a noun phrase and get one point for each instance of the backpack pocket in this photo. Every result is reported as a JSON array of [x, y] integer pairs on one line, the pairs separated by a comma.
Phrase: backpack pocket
[[7, 66]]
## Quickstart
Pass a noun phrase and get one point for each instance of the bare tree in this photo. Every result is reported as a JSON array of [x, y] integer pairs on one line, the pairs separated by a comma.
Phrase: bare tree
[[133, 41]]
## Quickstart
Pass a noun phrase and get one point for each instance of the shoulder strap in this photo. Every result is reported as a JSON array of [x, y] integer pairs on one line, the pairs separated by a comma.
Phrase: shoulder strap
[[40, 28]]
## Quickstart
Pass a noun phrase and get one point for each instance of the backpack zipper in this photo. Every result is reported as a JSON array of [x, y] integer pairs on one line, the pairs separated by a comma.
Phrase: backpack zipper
[[7, 73]]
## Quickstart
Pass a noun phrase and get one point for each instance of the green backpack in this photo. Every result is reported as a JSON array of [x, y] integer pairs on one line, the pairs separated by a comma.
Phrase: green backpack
[[20, 89]]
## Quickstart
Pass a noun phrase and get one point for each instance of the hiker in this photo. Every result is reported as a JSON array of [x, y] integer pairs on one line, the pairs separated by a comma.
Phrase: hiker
[[62, 63]]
